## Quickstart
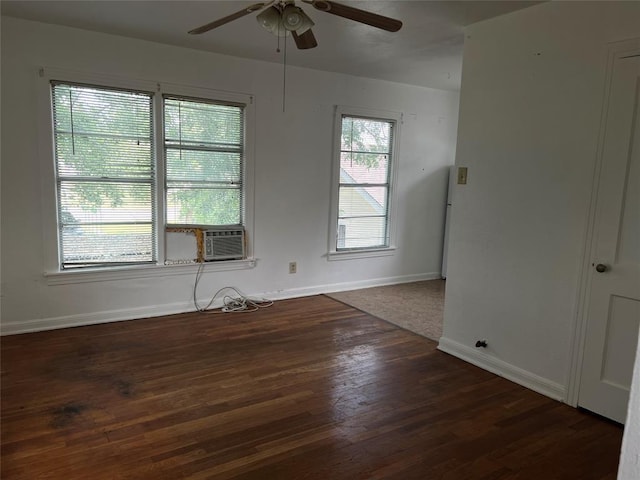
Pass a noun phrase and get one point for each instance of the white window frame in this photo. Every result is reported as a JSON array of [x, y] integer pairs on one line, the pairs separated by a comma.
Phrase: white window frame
[[382, 115], [52, 271]]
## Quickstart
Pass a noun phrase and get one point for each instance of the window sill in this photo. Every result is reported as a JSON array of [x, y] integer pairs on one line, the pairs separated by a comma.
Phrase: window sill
[[142, 271], [354, 254]]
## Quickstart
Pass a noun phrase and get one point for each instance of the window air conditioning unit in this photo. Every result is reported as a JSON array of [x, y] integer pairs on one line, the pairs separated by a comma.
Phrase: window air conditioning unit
[[223, 244]]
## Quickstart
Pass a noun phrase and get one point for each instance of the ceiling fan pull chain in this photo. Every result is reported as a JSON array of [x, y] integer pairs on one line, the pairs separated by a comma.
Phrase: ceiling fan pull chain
[[284, 74]]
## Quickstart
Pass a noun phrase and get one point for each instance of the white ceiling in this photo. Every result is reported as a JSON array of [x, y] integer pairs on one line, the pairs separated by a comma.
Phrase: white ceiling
[[427, 51]]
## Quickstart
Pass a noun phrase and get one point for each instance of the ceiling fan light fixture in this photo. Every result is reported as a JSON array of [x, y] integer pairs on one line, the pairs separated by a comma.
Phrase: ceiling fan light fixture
[[294, 19], [271, 20]]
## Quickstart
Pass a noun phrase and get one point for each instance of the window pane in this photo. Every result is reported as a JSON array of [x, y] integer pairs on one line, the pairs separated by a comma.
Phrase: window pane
[[119, 230], [364, 168], [105, 202], [362, 232], [197, 123], [104, 244], [90, 156], [203, 166], [204, 206], [83, 109], [105, 175], [365, 135], [362, 201]]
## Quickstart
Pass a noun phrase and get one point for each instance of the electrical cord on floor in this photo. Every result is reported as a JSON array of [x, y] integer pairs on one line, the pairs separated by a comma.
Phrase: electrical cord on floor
[[230, 304]]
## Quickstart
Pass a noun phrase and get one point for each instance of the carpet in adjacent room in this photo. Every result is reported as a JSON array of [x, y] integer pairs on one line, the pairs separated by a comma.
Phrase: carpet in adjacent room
[[415, 306]]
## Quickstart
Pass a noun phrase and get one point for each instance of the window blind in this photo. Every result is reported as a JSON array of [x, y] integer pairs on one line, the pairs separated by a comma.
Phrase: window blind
[[363, 193], [204, 152], [105, 175]]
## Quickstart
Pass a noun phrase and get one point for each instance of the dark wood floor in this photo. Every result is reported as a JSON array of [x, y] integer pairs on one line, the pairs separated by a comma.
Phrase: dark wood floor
[[307, 389]]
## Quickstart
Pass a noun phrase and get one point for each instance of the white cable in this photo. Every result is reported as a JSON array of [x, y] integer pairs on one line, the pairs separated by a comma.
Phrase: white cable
[[239, 304]]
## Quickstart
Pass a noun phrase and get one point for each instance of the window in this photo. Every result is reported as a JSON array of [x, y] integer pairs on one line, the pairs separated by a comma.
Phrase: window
[[105, 175], [116, 191], [363, 181], [203, 150]]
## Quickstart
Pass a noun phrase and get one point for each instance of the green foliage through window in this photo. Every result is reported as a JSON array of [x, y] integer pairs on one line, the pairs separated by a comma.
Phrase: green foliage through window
[[204, 161], [105, 175]]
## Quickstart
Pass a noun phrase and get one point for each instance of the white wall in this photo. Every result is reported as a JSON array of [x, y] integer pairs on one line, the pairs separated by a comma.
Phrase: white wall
[[293, 175], [530, 110]]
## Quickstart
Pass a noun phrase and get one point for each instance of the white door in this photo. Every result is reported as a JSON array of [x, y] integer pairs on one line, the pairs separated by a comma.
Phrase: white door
[[613, 312]]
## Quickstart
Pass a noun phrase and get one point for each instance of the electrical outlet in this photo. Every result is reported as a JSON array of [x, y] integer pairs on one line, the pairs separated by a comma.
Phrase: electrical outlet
[[293, 267]]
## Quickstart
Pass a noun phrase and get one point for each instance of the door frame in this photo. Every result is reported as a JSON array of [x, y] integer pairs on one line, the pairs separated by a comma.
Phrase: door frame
[[586, 273]]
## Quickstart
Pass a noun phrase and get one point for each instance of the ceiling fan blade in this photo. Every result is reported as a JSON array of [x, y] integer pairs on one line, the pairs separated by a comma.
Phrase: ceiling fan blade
[[362, 16], [305, 40], [229, 18]]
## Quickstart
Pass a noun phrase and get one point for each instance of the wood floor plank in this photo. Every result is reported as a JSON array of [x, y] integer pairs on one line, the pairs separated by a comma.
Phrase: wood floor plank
[[307, 389]]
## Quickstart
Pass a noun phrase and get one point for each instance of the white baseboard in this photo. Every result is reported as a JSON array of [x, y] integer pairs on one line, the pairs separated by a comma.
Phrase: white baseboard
[[503, 369], [77, 320], [344, 286]]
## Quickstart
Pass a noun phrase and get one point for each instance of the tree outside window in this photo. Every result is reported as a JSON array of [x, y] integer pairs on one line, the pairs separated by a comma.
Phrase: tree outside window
[[106, 170]]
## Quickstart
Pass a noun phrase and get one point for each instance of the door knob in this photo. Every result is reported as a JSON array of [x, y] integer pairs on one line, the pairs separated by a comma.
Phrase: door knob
[[601, 268]]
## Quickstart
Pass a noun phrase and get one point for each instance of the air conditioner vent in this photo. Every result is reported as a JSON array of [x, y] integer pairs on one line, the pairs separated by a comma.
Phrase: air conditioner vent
[[223, 244]]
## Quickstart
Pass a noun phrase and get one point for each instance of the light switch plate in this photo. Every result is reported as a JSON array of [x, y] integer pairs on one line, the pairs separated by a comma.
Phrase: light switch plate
[[462, 175]]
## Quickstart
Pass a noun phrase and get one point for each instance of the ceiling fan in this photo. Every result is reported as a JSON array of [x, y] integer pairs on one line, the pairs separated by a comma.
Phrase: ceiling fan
[[281, 17]]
